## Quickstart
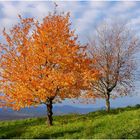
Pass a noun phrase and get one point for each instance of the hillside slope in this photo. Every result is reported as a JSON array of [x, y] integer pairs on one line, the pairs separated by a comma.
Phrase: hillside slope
[[119, 123]]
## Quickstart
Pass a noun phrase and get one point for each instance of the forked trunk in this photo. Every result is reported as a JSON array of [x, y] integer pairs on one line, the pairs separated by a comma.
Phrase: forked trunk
[[49, 113]]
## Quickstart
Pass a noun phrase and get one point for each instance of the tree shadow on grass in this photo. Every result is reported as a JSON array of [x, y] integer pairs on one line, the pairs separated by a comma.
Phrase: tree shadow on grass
[[57, 134], [16, 129], [82, 132], [16, 132]]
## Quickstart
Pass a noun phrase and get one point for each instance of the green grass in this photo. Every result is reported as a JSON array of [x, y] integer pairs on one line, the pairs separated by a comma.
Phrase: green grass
[[119, 123]]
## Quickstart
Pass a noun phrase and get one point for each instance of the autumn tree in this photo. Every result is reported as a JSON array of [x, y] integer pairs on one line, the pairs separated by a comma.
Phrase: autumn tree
[[42, 63], [113, 46]]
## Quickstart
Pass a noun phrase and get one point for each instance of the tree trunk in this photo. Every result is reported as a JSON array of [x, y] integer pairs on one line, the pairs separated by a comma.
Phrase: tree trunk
[[49, 112], [108, 103]]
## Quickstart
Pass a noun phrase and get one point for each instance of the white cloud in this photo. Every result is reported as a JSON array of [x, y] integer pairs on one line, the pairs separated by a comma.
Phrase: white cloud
[[84, 15], [98, 4], [87, 18], [123, 6], [10, 11], [135, 21]]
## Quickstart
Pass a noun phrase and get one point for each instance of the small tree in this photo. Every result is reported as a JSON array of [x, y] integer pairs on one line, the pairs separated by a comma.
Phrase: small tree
[[113, 47], [42, 63]]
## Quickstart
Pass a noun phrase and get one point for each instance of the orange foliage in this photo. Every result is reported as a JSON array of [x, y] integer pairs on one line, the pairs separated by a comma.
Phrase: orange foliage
[[42, 61]]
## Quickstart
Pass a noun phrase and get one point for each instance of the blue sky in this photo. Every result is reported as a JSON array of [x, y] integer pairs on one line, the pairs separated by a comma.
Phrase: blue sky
[[85, 16]]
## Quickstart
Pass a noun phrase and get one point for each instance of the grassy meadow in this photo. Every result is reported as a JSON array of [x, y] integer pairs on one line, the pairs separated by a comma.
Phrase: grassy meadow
[[119, 123]]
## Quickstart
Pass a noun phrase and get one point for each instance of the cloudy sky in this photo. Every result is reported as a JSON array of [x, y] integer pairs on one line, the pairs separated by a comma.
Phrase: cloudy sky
[[85, 16]]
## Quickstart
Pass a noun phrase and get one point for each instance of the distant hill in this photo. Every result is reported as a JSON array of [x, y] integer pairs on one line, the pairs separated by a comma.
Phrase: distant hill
[[121, 123], [41, 111]]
